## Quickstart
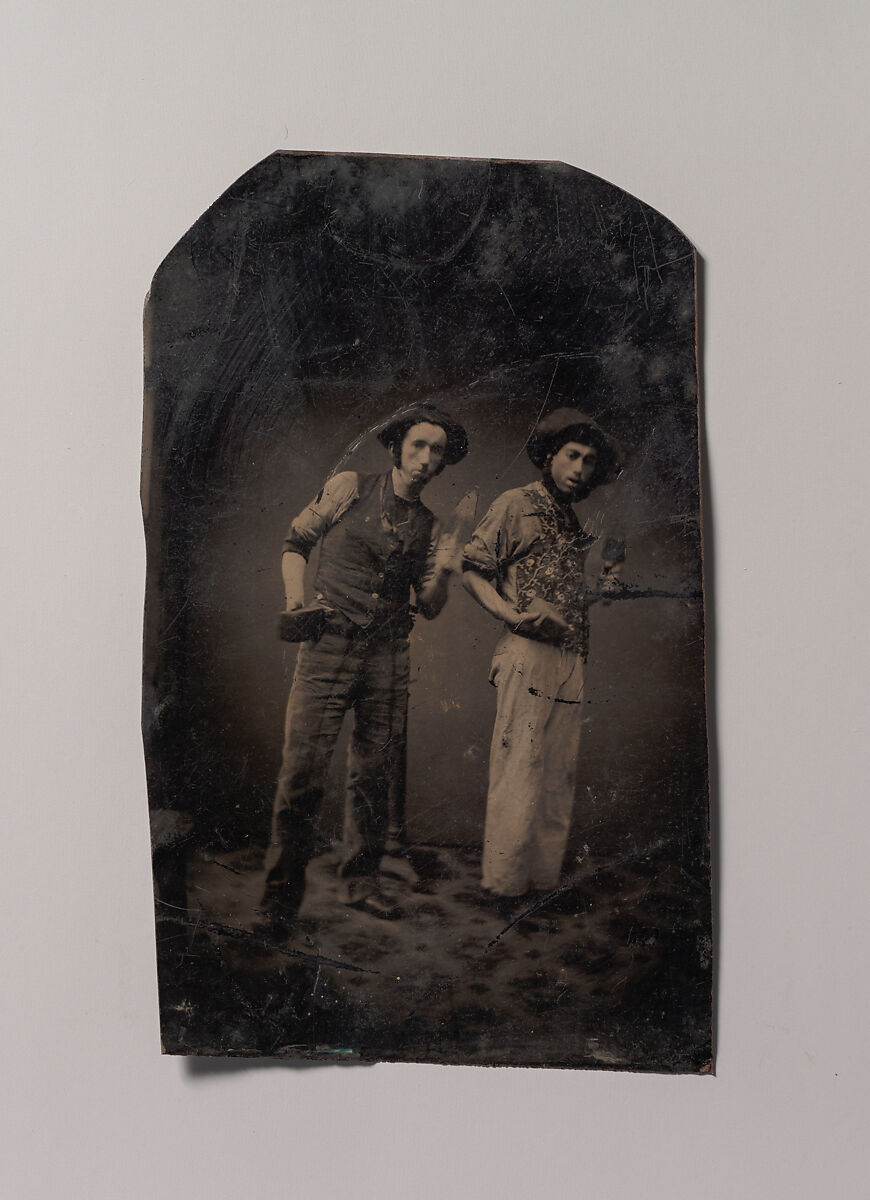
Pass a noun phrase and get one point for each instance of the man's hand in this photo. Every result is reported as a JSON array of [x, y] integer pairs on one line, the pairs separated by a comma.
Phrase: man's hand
[[540, 620], [447, 552], [543, 622], [457, 531], [609, 583]]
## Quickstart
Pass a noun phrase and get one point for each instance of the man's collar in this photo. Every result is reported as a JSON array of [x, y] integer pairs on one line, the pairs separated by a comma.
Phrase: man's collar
[[395, 495], [561, 498]]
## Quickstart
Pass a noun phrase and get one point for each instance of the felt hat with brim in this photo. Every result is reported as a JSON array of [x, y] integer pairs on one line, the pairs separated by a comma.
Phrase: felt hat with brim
[[557, 427], [417, 414]]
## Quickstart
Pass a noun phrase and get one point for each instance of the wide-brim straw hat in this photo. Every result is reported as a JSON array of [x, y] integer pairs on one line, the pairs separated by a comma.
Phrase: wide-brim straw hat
[[554, 429], [415, 414]]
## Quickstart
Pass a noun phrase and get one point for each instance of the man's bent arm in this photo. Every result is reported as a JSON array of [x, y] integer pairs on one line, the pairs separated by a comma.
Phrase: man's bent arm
[[432, 596], [488, 598], [540, 619], [432, 589], [445, 556], [293, 572], [337, 495]]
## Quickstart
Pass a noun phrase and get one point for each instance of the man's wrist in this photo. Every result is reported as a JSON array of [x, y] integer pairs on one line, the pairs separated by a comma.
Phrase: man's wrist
[[446, 555]]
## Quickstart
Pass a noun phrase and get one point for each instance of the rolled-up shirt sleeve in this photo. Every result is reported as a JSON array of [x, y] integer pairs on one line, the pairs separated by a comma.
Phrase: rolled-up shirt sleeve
[[497, 541], [332, 502]]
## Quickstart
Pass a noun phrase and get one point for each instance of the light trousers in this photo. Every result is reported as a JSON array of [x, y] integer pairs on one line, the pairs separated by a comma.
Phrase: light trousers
[[532, 764]]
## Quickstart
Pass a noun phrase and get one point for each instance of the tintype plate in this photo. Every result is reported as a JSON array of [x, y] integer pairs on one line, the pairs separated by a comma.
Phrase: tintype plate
[[435, 423]]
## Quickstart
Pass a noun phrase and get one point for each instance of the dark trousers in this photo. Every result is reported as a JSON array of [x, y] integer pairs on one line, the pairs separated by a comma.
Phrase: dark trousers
[[337, 673], [396, 829]]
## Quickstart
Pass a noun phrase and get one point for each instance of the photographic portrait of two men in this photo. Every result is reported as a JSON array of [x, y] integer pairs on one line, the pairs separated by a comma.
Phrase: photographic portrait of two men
[[424, 701]]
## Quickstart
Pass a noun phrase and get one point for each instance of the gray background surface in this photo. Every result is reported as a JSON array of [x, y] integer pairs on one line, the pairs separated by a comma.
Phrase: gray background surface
[[746, 125]]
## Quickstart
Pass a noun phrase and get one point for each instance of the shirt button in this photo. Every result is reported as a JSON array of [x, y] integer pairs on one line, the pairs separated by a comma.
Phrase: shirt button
[[376, 595]]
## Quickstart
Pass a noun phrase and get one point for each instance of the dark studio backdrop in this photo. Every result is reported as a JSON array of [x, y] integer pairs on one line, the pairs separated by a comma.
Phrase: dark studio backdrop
[[317, 296]]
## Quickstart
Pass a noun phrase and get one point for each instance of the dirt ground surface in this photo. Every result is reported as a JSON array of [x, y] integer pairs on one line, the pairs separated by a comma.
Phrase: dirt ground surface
[[618, 977]]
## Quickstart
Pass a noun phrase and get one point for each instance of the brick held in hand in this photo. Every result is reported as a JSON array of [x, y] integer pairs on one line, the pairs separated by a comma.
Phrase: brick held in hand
[[303, 624]]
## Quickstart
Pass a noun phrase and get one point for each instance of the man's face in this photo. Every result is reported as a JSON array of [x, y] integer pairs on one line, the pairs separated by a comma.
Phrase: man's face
[[572, 468], [422, 454]]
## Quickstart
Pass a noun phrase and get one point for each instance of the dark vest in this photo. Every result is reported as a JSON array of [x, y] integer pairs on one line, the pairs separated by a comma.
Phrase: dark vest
[[373, 555]]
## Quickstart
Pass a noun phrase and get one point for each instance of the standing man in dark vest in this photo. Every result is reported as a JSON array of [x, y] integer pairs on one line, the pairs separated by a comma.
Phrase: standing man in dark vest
[[378, 542]]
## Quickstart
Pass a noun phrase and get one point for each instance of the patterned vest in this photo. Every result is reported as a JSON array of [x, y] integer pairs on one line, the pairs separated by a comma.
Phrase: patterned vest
[[554, 567]]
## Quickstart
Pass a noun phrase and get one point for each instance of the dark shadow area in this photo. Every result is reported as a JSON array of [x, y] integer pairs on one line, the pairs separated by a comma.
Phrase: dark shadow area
[[611, 970], [708, 538], [198, 1067]]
